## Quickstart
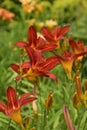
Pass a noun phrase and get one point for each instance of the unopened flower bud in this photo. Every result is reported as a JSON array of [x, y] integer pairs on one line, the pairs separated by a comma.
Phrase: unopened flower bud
[[49, 101]]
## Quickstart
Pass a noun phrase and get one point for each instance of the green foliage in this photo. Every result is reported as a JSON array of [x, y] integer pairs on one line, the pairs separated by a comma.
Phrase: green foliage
[[65, 10], [73, 12]]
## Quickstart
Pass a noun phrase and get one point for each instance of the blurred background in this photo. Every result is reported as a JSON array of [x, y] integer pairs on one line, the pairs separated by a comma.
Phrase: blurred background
[[15, 18]]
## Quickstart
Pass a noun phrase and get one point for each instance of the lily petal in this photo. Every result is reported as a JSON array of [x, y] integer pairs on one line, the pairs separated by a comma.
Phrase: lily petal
[[21, 44], [50, 63], [56, 31], [48, 47], [47, 34], [3, 107], [52, 76], [32, 36], [64, 30], [26, 65], [12, 98], [25, 99], [34, 55]]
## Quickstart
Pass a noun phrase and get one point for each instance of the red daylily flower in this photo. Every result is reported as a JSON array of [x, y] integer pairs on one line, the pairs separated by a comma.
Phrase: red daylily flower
[[67, 60], [6, 15], [56, 35], [78, 47], [38, 66], [12, 109], [35, 42]]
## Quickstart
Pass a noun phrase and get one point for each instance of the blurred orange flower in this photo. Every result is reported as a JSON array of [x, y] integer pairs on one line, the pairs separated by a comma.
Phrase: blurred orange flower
[[50, 23], [6, 15]]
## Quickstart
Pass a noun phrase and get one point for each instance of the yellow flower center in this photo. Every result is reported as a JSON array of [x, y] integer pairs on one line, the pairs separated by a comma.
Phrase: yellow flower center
[[31, 75], [16, 116]]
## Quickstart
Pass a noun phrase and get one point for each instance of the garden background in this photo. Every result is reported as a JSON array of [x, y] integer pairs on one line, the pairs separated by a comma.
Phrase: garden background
[[14, 24]]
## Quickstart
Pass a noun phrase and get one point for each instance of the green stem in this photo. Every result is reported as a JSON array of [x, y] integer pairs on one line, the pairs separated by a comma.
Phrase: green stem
[[84, 128], [22, 127], [9, 124], [46, 114], [80, 116], [41, 108]]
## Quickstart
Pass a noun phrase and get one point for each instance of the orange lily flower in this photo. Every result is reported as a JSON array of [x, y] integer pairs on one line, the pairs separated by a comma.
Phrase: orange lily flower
[[78, 47], [35, 42], [6, 15], [38, 66], [12, 109], [69, 124], [67, 60], [79, 98], [56, 35]]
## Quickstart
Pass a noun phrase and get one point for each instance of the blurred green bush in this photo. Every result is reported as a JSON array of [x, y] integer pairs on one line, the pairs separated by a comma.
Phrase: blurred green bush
[[73, 12]]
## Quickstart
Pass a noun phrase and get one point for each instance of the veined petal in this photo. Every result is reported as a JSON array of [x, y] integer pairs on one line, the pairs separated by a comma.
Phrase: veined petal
[[3, 107], [50, 63], [52, 76], [12, 98], [64, 30], [26, 65], [79, 56], [48, 47], [56, 31], [24, 96], [34, 55], [32, 36], [25, 99], [73, 45], [47, 34], [21, 44]]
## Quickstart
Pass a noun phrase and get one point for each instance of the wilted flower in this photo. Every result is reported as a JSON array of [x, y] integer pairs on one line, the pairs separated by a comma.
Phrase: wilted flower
[[68, 121], [12, 109], [38, 66]]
